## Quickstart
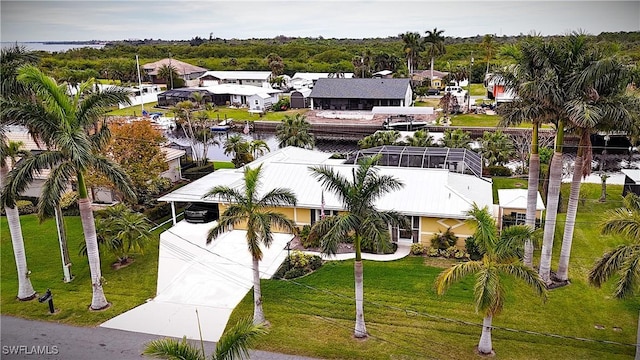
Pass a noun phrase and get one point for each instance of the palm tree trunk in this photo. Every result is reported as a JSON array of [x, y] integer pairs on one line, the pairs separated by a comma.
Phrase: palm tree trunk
[[484, 346], [361, 328], [570, 223], [532, 194], [638, 340], [258, 313], [98, 301], [555, 178], [25, 289], [431, 71]]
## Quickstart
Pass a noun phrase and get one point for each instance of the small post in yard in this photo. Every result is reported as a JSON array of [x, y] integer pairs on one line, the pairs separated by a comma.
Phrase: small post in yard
[[47, 297]]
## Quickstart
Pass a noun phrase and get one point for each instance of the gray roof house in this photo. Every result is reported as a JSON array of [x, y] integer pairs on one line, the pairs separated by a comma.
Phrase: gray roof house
[[360, 94]]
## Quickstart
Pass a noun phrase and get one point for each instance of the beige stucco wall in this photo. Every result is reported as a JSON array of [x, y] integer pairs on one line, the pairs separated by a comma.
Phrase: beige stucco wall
[[508, 211], [431, 226]]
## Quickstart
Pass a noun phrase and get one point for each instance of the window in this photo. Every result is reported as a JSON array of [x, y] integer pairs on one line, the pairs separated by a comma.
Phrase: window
[[257, 102], [316, 214], [412, 233], [521, 218]]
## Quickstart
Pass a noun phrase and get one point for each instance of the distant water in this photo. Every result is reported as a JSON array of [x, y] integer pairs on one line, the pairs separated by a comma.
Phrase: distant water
[[58, 47]]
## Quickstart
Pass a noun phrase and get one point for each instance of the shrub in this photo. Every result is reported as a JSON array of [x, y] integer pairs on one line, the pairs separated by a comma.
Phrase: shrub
[[472, 249], [444, 240], [25, 207], [308, 239], [315, 262], [158, 212], [294, 273], [418, 249], [282, 104], [433, 252], [498, 171], [298, 264]]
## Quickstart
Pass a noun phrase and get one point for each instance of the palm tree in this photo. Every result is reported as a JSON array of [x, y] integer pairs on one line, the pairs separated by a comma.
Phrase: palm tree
[[434, 44], [625, 259], [528, 79], [11, 58], [412, 47], [496, 147], [168, 73], [489, 46], [9, 152], [258, 148], [379, 138], [247, 207], [234, 344], [420, 138], [500, 260], [457, 138], [73, 133], [599, 102], [237, 146], [360, 220], [295, 131]]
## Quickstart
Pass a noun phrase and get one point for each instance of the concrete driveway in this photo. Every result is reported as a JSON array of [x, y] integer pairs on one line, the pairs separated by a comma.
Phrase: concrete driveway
[[196, 280]]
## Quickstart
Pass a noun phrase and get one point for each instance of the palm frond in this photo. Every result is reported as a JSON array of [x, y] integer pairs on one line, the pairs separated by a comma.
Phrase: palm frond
[[235, 342], [511, 242], [629, 275], [488, 291], [278, 197], [622, 221], [53, 189], [94, 103], [332, 181], [173, 349], [56, 100], [455, 274], [528, 275], [116, 175], [227, 194], [22, 174], [233, 215], [610, 263]]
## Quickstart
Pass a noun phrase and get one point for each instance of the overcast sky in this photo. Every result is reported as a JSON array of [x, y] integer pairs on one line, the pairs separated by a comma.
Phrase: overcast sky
[[184, 19]]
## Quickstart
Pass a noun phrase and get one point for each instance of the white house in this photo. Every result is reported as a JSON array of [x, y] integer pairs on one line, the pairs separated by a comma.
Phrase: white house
[[252, 78], [301, 80], [253, 97]]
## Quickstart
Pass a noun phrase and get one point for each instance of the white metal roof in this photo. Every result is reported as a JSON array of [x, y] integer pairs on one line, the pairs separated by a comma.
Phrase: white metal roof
[[171, 153], [517, 199], [427, 192], [402, 110], [239, 75], [633, 174], [315, 76], [243, 90]]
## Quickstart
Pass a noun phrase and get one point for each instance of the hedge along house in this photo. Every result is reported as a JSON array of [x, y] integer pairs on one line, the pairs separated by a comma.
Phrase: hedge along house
[[434, 199], [360, 94]]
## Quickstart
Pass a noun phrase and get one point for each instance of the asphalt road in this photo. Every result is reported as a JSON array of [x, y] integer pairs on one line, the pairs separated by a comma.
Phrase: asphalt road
[[29, 340]]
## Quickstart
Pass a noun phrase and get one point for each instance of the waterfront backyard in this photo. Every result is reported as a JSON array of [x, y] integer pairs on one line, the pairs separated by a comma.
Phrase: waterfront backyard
[[313, 316]]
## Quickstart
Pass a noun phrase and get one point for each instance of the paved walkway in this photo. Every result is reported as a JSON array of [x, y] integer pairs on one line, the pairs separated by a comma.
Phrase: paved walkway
[[199, 283], [403, 251]]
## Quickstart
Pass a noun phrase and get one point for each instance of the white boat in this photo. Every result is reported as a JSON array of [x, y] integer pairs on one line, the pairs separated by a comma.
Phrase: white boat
[[223, 125]]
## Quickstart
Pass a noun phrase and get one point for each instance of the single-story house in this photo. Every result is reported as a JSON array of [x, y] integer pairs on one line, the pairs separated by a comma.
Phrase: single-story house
[[360, 94], [513, 207], [301, 80], [299, 99], [186, 71], [174, 96], [433, 199], [253, 97], [252, 78]]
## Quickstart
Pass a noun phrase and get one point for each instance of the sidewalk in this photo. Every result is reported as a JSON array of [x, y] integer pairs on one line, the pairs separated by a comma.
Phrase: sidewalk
[[403, 251]]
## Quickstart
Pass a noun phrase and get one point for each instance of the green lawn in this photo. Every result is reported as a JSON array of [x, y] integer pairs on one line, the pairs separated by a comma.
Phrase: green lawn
[[481, 120], [405, 317], [125, 288], [218, 114], [478, 90]]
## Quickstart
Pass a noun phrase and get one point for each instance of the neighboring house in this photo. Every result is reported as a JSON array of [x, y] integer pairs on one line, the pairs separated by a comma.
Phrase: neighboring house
[[423, 77], [302, 80], [174, 96], [433, 199], [300, 98], [252, 78], [106, 195], [253, 97], [631, 181], [186, 71], [360, 94], [383, 74], [496, 90], [513, 207]]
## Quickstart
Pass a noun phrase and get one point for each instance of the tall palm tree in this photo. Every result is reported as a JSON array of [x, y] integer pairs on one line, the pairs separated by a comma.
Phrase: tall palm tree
[[528, 79], [234, 344], [412, 47], [599, 102], [295, 131], [168, 73], [71, 129], [496, 147], [500, 260], [625, 259], [489, 46], [237, 146], [9, 152], [248, 207], [457, 138], [361, 219], [434, 44], [258, 148], [11, 59]]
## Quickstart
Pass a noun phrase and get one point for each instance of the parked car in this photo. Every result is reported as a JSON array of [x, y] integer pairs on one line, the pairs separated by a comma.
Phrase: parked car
[[201, 212], [433, 92]]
